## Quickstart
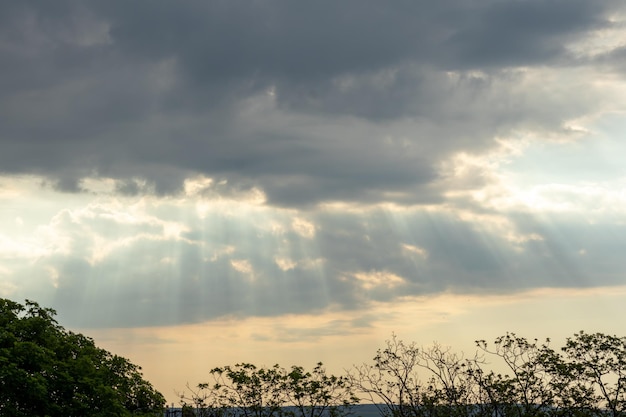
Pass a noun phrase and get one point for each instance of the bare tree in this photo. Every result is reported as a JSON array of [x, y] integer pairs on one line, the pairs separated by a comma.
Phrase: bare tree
[[530, 389], [407, 381]]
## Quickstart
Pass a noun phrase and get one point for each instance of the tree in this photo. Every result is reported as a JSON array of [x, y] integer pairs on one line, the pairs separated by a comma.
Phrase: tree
[[585, 378], [46, 370], [250, 391], [449, 391], [317, 394], [408, 381], [530, 390], [598, 372], [392, 383]]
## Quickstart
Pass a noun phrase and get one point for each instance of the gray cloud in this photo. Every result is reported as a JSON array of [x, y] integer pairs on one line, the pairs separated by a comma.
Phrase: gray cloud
[[358, 102], [518, 33], [112, 268], [309, 102]]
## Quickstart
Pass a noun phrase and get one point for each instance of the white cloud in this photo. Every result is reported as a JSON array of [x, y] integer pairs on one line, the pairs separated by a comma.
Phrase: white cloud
[[416, 250], [303, 227], [242, 265], [378, 279], [221, 252], [285, 264]]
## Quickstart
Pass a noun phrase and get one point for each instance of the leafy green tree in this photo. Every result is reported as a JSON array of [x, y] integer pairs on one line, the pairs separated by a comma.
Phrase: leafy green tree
[[251, 391], [317, 394], [48, 371], [247, 390]]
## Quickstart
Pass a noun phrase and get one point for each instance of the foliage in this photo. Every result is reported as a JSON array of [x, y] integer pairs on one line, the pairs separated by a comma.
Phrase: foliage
[[587, 377], [316, 394], [252, 391], [597, 365], [48, 371], [249, 391]]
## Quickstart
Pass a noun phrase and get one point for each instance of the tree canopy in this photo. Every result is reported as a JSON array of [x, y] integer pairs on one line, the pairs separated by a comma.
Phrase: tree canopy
[[584, 378], [46, 370], [245, 390]]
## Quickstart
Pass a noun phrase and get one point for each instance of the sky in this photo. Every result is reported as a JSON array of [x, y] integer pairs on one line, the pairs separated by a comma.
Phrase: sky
[[201, 183]]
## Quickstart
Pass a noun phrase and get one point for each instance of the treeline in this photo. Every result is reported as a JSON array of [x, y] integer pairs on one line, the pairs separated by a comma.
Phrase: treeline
[[46, 370], [585, 377]]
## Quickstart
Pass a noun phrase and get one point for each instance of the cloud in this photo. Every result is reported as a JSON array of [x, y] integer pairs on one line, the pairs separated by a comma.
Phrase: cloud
[[255, 94], [182, 162], [151, 261]]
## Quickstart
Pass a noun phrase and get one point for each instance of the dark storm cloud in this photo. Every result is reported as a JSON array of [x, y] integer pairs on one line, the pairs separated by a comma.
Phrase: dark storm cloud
[[294, 98], [521, 33]]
